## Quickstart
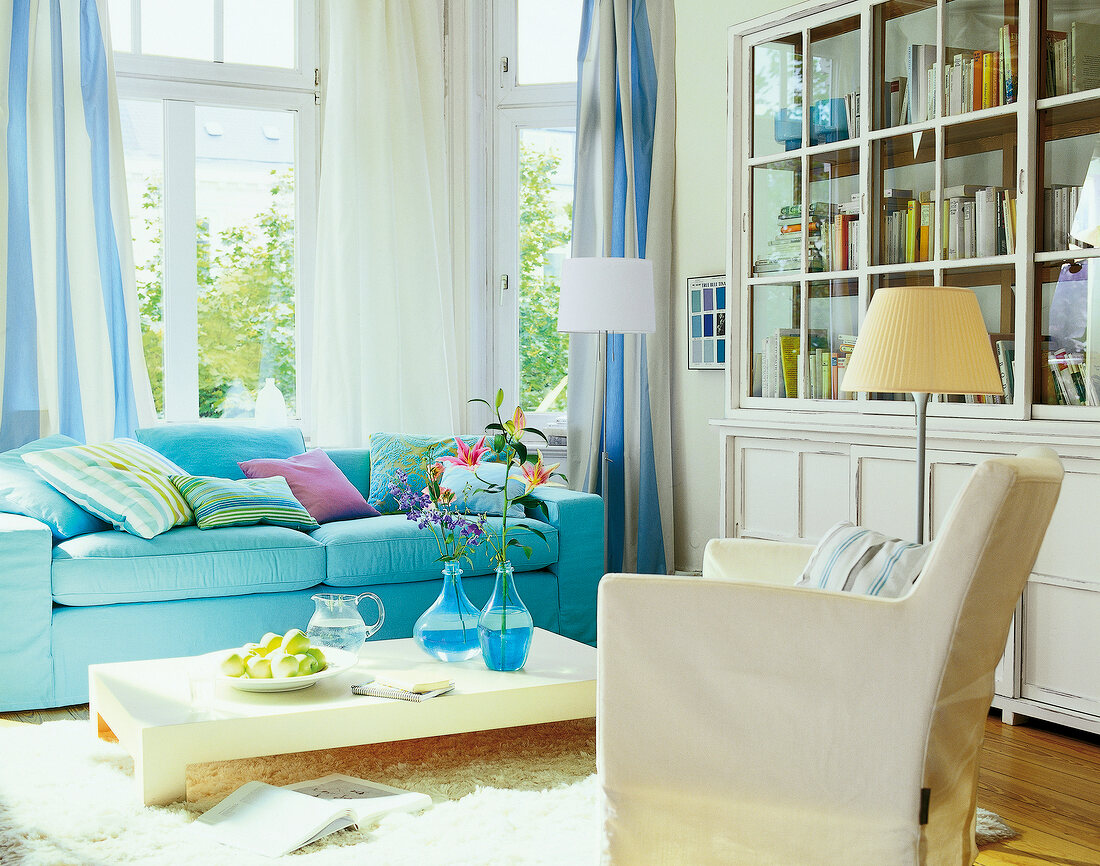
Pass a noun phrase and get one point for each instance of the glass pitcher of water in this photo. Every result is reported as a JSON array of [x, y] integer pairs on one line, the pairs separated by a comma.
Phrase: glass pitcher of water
[[336, 621]]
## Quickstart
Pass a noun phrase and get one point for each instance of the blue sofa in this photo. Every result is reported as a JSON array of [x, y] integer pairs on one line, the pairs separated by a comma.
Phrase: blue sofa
[[110, 596]]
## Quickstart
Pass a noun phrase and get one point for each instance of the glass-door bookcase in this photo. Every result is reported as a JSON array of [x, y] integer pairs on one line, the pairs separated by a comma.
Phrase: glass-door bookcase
[[917, 142]]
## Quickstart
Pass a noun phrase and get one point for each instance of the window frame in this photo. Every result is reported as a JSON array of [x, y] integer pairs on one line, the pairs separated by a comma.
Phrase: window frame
[[515, 107], [180, 86]]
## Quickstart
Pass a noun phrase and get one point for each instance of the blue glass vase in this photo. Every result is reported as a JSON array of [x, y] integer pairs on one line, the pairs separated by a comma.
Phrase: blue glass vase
[[505, 626], [448, 629]]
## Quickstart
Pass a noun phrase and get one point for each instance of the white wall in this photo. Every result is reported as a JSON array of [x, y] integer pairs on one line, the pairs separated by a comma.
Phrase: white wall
[[699, 248]]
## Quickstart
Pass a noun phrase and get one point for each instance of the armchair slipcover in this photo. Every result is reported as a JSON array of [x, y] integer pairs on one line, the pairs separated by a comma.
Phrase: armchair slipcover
[[743, 720]]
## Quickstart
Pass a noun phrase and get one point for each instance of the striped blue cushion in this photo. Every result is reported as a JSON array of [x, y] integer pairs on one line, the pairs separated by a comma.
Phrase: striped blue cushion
[[853, 559], [121, 481], [220, 502]]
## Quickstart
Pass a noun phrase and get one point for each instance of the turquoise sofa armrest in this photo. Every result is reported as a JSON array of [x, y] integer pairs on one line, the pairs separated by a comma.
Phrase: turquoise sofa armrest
[[578, 518], [26, 607], [355, 464]]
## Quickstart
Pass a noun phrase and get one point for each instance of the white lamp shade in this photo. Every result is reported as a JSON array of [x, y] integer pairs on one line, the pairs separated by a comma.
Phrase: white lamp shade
[[923, 339], [606, 294]]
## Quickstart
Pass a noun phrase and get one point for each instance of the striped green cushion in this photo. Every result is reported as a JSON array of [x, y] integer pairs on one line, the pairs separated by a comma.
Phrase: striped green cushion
[[121, 481], [220, 502]]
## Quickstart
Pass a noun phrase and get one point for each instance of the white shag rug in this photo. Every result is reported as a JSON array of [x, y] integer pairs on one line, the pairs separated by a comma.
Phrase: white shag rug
[[69, 799]]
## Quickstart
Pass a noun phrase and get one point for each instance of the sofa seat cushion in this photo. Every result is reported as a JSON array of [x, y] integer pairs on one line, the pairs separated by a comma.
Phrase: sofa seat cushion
[[115, 567], [390, 549]]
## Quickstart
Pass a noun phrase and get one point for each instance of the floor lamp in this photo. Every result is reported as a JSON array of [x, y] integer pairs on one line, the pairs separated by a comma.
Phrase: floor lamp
[[605, 296], [923, 340]]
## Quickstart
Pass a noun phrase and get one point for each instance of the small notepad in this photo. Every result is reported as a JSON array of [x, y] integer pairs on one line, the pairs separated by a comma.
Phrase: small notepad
[[377, 690]]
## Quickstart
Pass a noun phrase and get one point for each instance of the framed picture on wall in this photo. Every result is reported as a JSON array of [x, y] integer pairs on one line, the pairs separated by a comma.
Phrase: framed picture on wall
[[707, 322]]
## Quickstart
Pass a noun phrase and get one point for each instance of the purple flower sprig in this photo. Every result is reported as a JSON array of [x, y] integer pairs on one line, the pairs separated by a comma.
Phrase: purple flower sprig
[[455, 534]]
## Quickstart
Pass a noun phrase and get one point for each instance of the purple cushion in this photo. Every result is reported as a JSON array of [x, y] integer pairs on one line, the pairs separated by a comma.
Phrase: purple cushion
[[317, 483]]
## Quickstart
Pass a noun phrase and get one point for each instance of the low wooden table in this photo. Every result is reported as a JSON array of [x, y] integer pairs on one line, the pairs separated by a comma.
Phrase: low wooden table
[[146, 705]]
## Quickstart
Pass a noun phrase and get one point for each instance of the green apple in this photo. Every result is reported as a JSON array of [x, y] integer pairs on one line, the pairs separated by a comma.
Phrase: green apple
[[252, 649], [233, 665], [295, 641], [271, 642], [319, 657], [258, 667], [284, 666], [306, 664]]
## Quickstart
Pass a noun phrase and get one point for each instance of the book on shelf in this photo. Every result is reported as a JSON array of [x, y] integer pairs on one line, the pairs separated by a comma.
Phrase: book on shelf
[[919, 59], [1006, 357], [1084, 56], [273, 821], [851, 110]]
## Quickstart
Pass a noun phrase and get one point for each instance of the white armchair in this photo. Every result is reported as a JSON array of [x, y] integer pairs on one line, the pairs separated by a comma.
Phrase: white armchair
[[743, 720]]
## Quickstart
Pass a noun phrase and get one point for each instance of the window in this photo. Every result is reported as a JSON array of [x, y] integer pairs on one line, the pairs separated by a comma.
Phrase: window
[[535, 114], [218, 108]]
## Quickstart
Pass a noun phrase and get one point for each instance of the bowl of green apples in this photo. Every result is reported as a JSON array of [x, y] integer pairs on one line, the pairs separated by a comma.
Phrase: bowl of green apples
[[281, 663]]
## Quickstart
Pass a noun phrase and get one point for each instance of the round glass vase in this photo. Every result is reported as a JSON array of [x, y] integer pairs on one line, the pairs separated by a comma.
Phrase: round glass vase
[[505, 626], [448, 629]]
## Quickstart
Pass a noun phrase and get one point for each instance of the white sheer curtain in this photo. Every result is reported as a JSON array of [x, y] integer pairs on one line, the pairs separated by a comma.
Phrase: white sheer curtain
[[384, 322]]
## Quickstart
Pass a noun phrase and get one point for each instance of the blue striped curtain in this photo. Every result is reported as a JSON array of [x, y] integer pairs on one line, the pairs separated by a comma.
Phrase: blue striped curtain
[[72, 355], [622, 206]]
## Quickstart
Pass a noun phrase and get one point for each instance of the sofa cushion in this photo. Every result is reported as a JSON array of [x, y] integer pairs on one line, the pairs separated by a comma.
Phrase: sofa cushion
[[316, 482], [854, 559], [222, 502], [390, 549], [121, 481], [410, 453], [113, 567], [216, 449], [24, 491], [471, 490]]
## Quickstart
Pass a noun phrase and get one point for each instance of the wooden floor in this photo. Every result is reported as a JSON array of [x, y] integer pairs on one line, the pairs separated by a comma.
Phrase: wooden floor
[[1042, 779]]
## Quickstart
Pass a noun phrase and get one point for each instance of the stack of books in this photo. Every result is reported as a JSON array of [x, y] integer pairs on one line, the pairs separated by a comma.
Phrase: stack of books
[[979, 221], [786, 373], [1073, 59], [1070, 382], [840, 236], [1059, 206], [785, 249], [971, 79], [907, 221]]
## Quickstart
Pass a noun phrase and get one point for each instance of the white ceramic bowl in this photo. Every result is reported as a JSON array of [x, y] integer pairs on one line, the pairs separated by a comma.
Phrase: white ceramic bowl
[[338, 661]]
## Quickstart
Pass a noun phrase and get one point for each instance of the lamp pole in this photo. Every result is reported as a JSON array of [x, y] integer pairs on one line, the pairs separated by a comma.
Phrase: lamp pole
[[920, 398]]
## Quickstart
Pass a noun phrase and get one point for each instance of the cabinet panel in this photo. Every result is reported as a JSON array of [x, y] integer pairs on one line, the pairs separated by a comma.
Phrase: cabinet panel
[[770, 492], [826, 496], [945, 482], [1071, 548], [887, 498], [1061, 646]]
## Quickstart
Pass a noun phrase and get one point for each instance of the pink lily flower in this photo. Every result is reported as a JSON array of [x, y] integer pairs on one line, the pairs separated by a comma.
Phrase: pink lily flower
[[446, 496], [535, 475], [468, 456]]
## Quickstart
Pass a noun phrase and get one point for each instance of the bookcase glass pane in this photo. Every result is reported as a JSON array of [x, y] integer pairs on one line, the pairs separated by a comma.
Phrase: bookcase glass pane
[[981, 59], [1069, 47], [882, 281], [905, 49], [904, 198], [833, 231], [777, 96], [995, 289], [1067, 357], [774, 322], [834, 81], [777, 217], [833, 320], [1069, 136], [979, 194]]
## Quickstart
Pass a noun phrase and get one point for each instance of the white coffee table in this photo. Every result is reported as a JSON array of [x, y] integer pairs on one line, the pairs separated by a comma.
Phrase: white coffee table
[[146, 705]]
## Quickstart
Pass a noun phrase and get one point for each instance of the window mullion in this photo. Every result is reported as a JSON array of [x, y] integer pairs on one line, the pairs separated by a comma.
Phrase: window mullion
[[135, 27], [181, 355]]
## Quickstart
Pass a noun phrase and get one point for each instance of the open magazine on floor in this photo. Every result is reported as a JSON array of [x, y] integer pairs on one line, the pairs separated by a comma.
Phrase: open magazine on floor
[[274, 821]]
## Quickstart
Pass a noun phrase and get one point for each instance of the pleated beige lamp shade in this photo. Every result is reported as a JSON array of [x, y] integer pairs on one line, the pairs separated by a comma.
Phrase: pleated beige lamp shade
[[923, 339]]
